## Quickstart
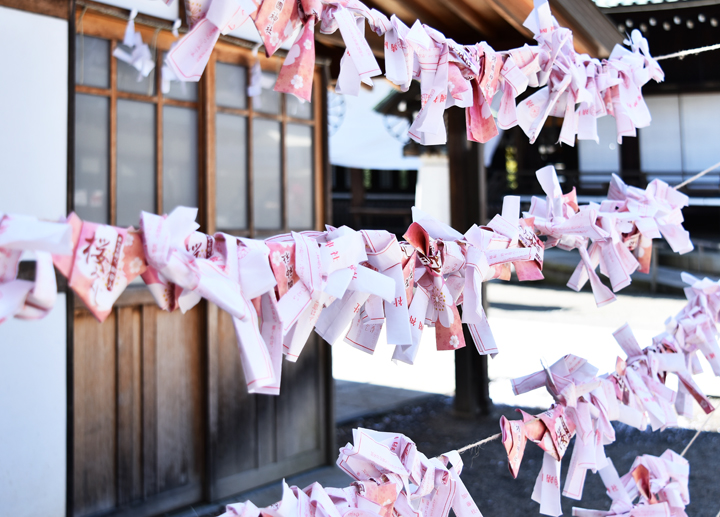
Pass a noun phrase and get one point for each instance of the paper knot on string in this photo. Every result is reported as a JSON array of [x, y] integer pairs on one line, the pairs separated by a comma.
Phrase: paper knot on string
[[392, 478], [425, 486], [19, 234], [104, 259], [138, 54], [207, 19], [607, 234], [654, 486]]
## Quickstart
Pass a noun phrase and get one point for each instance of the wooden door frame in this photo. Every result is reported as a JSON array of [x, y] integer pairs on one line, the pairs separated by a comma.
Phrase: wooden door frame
[[206, 201], [69, 294]]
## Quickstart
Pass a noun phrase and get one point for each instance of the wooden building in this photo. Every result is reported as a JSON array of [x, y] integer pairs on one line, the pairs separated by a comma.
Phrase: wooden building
[[149, 412], [680, 141]]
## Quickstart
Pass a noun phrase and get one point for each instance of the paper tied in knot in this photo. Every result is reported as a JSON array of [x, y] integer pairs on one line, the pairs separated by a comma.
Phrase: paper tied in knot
[[104, 260], [432, 69], [27, 299], [555, 59], [276, 21], [639, 45], [654, 486], [463, 67], [439, 282], [202, 266], [398, 54], [429, 486], [568, 226], [480, 121], [631, 70], [517, 66], [552, 216], [296, 74], [589, 405], [207, 19], [650, 367], [551, 431], [358, 63], [138, 54], [655, 211], [489, 252]]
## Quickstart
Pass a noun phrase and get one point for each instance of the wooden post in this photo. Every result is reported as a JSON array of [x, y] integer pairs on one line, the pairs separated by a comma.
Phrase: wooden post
[[357, 193], [468, 198]]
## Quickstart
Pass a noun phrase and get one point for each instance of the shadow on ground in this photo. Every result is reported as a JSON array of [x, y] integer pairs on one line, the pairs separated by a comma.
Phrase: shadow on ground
[[435, 429]]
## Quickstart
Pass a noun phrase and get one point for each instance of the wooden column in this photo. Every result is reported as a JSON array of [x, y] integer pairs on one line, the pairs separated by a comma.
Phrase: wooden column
[[468, 196], [357, 199], [630, 162]]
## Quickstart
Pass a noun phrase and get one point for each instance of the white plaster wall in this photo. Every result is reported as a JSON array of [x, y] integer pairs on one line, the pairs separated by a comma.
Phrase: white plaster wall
[[33, 147], [33, 114], [156, 8], [33, 421], [432, 192]]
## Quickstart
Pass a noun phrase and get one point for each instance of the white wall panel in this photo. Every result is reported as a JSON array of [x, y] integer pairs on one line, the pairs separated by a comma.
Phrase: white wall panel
[[33, 146], [33, 113], [700, 128], [33, 421], [660, 144], [604, 155]]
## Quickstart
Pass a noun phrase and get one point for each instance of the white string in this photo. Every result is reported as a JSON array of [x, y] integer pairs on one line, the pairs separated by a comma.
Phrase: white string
[[481, 442], [690, 52], [697, 176], [696, 434], [498, 435]]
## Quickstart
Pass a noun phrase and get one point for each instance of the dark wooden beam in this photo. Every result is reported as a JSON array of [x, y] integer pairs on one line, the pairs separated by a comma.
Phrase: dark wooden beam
[[467, 207], [54, 8]]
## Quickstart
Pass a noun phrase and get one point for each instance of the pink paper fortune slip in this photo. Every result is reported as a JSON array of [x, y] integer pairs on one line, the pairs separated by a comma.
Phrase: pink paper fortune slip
[[392, 478], [634, 394], [575, 87], [105, 260]]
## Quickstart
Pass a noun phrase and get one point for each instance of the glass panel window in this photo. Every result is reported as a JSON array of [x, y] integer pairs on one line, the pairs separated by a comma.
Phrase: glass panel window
[[135, 160], [180, 158], [297, 108], [230, 86], [182, 91], [269, 100], [299, 196], [92, 61], [130, 80], [231, 172], [92, 151], [267, 182]]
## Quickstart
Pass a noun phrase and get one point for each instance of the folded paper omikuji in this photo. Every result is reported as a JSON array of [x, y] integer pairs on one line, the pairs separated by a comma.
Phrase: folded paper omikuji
[[22, 298], [104, 260], [608, 233], [349, 285], [635, 394], [392, 478], [654, 487], [572, 86]]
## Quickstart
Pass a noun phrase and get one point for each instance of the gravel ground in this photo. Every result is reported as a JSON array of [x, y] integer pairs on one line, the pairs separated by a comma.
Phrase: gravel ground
[[435, 429]]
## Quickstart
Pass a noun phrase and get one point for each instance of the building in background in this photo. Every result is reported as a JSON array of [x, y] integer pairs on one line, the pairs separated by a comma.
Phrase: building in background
[[149, 412], [373, 183], [680, 142]]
